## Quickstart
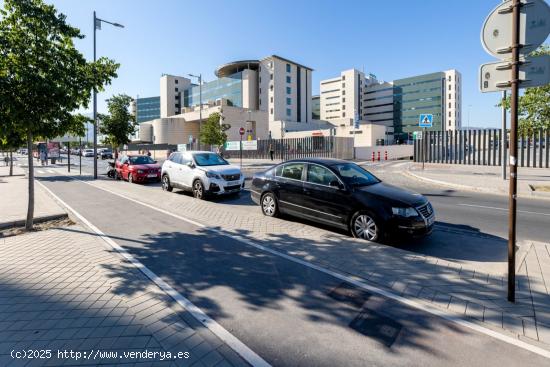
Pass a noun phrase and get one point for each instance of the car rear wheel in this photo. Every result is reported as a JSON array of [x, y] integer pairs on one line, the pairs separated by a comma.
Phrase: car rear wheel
[[166, 183], [365, 226], [198, 189], [269, 205]]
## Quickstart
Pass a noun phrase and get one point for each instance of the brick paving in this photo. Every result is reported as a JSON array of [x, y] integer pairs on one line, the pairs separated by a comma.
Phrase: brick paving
[[64, 289], [476, 292]]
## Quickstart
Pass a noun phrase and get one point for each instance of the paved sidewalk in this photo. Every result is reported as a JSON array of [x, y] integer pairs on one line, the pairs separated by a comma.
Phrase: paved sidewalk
[[13, 199], [65, 289], [475, 290], [483, 178]]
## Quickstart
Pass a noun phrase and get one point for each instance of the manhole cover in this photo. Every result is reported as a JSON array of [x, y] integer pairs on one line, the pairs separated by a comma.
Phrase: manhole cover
[[376, 326], [349, 294]]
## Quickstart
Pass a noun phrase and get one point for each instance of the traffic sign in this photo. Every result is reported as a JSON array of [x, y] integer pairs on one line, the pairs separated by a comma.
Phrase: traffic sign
[[496, 33], [190, 139], [534, 71], [417, 135], [425, 120], [241, 131]]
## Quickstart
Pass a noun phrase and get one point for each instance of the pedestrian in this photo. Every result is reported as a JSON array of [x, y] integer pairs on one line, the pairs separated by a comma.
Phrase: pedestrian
[[46, 156], [6, 159], [42, 157], [271, 152]]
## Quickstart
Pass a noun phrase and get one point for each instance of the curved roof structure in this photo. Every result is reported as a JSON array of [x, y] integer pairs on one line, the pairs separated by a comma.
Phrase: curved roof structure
[[235, 67]]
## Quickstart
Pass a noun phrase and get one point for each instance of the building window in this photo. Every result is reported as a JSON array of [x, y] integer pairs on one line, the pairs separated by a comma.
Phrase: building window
[[176, 81], [288, 101], [288, 112], [260, 90], [288, 90], [343, 106], [176, 89], [271, 88], [288, 68], [271, 76], [288, 79], [260, 102], [449, 104], [260, 79], [343, 77], [449, 78], [343, 92], [271, 111], [449, 95], [449, 87], [271, 99], [343, 100], [343, 85], [449, 120], [449, 113], [343, 114]]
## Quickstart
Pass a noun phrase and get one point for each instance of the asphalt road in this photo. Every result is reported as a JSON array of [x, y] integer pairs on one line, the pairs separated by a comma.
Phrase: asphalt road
[[289, 314]]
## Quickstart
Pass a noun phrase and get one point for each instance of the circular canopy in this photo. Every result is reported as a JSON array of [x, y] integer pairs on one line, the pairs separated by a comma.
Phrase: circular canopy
[[235, 67]]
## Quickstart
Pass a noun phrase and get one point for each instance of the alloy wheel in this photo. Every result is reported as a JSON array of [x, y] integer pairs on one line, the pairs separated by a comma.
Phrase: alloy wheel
[[268, 205], [197, 190], [130, 178], [365, 227]]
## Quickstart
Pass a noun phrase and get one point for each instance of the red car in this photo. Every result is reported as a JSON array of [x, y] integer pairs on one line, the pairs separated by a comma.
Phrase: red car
[[137, 168]]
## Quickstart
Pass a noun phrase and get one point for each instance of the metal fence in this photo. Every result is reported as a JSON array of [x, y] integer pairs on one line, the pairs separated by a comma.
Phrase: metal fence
[[481, 147], [292, 148]]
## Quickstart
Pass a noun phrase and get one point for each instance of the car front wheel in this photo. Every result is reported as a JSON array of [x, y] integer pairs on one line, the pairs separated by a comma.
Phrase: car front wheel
[[166, 183], [198, 189], [269, 205], [130, 178], [364, 225]]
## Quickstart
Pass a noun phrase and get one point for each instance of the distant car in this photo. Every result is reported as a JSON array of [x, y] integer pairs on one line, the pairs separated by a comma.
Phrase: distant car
[[75, 151], [88, 153], [63, 150], [106, 154], [342, 194], [203, 173], [137, 168], [23, 151]]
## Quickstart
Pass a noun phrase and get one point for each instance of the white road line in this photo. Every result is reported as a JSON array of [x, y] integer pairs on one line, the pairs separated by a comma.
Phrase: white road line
[[51, 171], [385, 293], [239, 347], [503, 209], [40, 171]]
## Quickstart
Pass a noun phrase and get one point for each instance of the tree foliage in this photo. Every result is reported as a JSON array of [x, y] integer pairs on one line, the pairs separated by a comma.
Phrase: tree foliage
[[43, 77], [213, 131], [119, 124], [534, 104]]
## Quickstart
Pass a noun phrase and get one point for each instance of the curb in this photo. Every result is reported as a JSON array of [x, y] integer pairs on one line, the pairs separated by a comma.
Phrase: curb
[[36, 220]]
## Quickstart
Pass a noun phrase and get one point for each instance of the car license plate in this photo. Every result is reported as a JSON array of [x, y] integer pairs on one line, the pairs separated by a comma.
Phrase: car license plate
[[232, 183], [152, 175], [431, 220]]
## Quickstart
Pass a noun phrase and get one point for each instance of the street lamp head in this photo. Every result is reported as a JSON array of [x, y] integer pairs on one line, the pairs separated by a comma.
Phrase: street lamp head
[[118, 25]]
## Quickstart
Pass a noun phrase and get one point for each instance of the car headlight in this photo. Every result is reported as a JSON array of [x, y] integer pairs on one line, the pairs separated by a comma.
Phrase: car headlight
[[405, 212], [212, 175], [139, 171]]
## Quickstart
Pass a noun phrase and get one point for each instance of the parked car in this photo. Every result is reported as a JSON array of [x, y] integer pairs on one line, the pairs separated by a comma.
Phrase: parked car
[[23, 151], [203, 173], [88, 153], [106, 154], [137, 168], [342, 194], [75, 151]]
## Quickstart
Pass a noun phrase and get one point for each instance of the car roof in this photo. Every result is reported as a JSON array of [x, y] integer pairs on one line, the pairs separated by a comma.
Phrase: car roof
[[325, 161]]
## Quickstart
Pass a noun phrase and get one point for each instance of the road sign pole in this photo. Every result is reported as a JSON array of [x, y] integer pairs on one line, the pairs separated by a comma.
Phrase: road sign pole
[[423, 147], [241, 151], [513, 152], [503, 137]]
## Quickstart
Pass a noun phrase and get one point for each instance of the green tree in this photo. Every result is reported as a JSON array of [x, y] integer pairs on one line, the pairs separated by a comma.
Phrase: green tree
[[119, 124], [534, 104], [213, 132], [43, 77]]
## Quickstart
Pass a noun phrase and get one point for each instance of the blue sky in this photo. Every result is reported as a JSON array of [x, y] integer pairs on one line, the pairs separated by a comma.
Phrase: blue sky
[[391, 39]]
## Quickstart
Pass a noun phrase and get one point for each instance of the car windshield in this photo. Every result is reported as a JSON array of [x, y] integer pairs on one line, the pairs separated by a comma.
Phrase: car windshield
[[209, 159], [141, 160], [355, 175]]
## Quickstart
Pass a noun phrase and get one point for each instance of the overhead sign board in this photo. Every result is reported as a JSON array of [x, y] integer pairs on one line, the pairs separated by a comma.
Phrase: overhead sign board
[[182, 147], [496, 33], [533, 72], [247, 145], [232, 145], [425, 120]]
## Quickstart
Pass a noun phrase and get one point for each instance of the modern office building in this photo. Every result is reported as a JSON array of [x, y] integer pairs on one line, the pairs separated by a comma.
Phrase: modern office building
[[146, 109], [316, 107], [171, 88]]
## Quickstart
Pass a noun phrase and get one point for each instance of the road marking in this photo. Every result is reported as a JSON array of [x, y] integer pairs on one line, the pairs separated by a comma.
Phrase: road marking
[[503, 209], [239, 347], [51, 171], [457, 319], [41, 172]]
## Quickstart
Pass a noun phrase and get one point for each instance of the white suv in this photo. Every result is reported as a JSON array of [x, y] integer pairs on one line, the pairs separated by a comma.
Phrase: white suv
[[203, 173]]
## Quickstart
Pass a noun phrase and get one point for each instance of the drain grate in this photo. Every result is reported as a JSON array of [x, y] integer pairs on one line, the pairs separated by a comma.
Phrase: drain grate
[[349, 294], [376, 326]]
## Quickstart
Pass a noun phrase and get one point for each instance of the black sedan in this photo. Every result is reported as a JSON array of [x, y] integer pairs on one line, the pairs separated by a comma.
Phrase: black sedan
[[342, 194]]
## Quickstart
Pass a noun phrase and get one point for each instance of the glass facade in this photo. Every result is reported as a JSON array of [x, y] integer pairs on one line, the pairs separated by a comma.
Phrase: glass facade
[[418, 95], [147, 109], [228, 87], [316, 108]]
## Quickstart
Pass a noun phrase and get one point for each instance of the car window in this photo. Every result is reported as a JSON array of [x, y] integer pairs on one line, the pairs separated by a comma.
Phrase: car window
[[175, 157], [355, 175], [320, 175], [279, 170], [293, 171], [185, 158], [209, 159], [141, 160]]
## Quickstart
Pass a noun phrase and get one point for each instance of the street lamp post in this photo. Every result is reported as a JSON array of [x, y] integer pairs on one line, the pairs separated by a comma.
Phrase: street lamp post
[[97, 25], [199, 77]]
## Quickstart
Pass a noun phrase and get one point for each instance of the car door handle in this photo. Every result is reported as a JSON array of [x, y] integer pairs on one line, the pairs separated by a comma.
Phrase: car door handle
[[307, 192]]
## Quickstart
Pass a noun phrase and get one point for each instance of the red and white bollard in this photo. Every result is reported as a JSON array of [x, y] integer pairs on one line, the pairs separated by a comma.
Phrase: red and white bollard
[[378, 156], [386, 155], [373, 156]]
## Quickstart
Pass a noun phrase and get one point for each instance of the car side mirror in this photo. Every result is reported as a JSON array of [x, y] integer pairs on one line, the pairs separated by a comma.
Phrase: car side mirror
[[155, 161], [190, 164]]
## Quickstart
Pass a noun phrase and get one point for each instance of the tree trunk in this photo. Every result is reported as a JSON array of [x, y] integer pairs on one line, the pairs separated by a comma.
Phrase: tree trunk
[[11, 163], [30, 207]]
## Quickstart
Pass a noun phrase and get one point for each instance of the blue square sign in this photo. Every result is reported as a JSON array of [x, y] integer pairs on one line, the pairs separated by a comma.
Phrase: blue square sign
[[425, 120]]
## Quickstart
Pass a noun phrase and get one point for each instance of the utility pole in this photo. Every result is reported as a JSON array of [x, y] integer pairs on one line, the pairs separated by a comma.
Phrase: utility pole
[[503, 137], [513, 152]]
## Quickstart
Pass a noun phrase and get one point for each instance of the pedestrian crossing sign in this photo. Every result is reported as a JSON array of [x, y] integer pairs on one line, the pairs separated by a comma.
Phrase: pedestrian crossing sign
[[425, 120]]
